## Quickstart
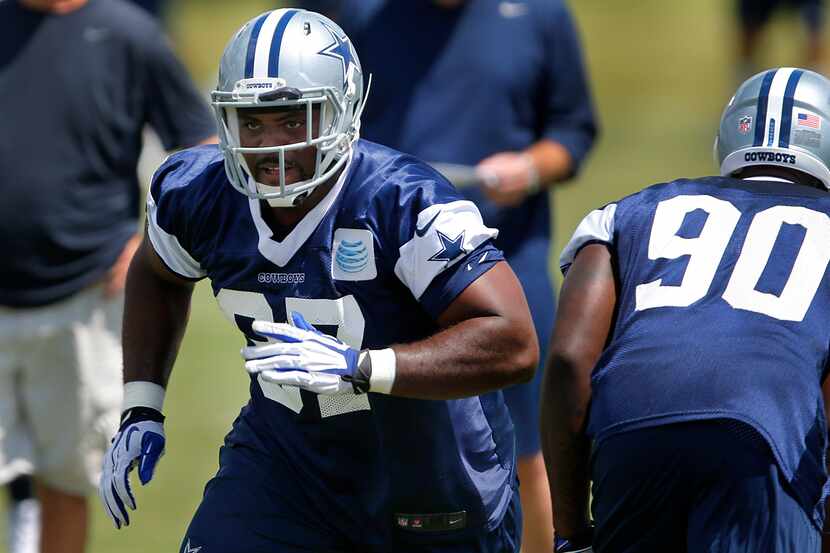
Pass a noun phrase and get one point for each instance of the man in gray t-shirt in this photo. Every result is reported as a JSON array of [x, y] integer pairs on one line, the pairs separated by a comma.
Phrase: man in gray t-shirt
[[80, 79]]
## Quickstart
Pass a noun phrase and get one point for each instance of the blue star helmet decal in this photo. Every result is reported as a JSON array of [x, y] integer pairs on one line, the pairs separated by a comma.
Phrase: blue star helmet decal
[[450, 247], [340, 49]]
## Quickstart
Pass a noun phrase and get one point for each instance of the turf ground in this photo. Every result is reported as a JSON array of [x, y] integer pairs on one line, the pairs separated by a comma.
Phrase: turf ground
[[661, 73]]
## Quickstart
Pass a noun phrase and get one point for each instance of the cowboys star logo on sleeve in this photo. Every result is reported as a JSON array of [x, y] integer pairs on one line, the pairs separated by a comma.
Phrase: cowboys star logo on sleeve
[[450, 247], [440, 235]]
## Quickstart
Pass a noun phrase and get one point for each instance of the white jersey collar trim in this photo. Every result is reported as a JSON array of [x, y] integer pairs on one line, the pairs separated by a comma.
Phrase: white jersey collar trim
[[280, 253]]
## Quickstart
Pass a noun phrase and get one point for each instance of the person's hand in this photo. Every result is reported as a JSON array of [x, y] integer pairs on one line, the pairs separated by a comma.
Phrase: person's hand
[[117, 275], [139, 441], [513, 175], [304, 357]]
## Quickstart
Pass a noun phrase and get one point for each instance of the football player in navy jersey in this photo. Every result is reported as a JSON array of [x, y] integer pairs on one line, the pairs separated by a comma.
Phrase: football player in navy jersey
[[380, 320], [691, 346]]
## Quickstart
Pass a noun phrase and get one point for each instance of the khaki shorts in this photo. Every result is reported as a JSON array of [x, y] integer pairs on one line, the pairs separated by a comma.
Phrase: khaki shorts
[[60, 389]]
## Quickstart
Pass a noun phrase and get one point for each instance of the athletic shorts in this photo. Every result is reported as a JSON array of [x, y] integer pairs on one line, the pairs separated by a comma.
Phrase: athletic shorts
[[60, 389], [697, 487], [255, 505]]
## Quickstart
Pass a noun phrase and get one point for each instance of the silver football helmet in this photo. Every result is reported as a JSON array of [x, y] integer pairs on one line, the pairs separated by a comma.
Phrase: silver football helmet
[[778, 118], [289, 58]]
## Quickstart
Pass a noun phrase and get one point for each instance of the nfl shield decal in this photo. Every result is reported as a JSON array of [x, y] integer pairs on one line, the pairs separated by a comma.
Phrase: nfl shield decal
[[745, 124]]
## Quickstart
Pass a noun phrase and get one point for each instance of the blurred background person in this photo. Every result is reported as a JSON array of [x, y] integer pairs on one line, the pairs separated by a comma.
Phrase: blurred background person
[[754, 17], [156, 8], [501, 87], [80, 79]]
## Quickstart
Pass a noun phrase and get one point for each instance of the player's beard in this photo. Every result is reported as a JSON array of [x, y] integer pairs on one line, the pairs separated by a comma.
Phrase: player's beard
[[267, 171]]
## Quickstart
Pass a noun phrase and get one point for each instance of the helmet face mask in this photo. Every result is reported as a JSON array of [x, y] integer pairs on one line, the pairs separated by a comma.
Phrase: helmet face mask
[[288, 61], [777, 118]]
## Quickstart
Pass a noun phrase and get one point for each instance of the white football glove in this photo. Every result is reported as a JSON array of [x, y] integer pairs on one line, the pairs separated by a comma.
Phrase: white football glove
[[139, 441], [306, 358]]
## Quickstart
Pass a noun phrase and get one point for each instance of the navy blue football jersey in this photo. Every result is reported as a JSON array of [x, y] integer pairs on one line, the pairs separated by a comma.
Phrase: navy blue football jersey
[[723, 311], [374, 263]]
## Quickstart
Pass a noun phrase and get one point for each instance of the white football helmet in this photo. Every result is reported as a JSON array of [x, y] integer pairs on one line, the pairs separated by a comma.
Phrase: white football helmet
[[777, 117], [289, 58]]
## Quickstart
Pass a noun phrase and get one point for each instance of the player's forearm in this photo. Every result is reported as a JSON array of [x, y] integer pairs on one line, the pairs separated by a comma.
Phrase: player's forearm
[[566, 448], [475, 356], [587, 303], [564, 408], [155, 316]]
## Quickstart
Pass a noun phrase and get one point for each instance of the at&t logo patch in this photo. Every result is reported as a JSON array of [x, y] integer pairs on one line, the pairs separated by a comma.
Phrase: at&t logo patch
[[353, 255]]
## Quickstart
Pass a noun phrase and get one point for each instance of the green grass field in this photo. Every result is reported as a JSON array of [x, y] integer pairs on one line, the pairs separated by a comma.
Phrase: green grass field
[[661, 74]]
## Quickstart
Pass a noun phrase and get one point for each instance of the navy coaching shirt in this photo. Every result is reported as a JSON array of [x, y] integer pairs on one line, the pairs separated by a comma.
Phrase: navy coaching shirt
[[77, 90], [457, 85]]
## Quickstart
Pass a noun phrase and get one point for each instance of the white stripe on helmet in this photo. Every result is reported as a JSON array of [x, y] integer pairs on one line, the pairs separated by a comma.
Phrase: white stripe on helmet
[[775, 105], [263, 43]]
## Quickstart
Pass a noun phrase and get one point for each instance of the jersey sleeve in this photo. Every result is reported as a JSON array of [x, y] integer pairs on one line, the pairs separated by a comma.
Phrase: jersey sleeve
[[596, 228], [168, 214], [172, 104], [569, 117], [437, 240]]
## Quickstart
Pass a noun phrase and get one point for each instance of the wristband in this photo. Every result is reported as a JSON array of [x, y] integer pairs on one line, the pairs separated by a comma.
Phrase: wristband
[[384, 364], [141, 393], [533, 179]]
